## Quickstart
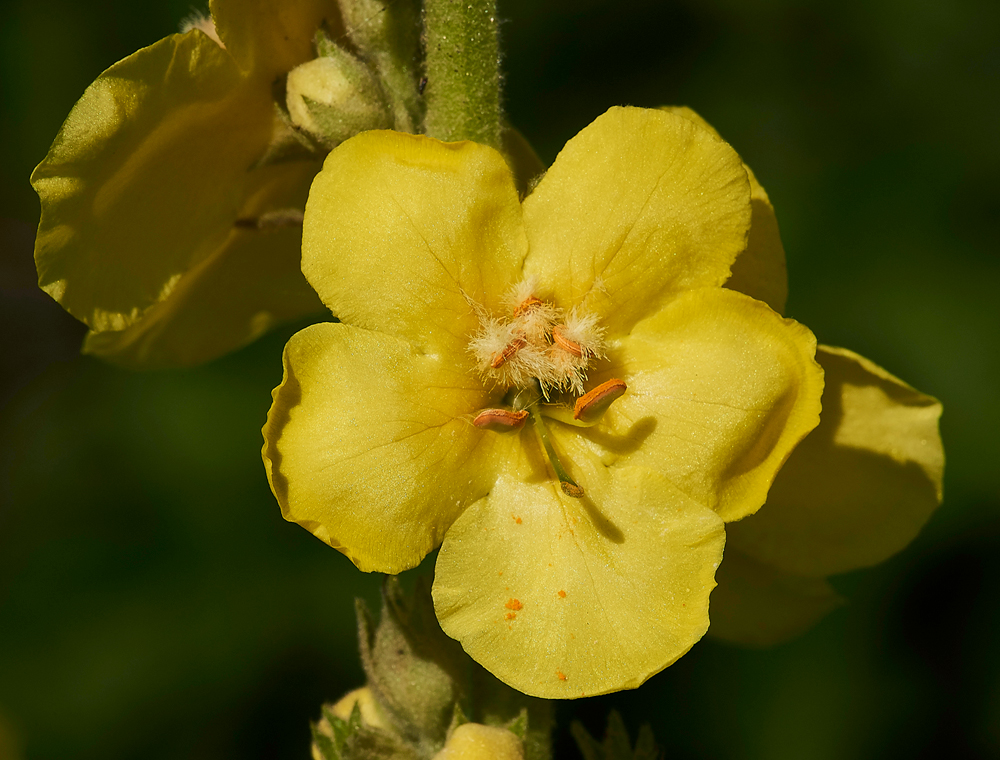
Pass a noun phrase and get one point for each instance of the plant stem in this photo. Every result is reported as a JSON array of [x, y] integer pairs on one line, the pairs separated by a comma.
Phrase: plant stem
[[462, 69]]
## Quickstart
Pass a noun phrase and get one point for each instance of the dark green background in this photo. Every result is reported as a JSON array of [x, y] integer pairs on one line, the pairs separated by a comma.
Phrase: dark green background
[[154, 604]]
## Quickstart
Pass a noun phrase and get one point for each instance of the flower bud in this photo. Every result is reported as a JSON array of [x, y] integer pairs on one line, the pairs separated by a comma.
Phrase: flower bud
[[474, 741], [335, 96], [366, 704]]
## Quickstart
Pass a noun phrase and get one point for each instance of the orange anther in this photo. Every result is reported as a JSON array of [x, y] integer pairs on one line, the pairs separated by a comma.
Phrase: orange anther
[[567, 345], [500, 420], [502, 357], [528, 303], [593, 403]]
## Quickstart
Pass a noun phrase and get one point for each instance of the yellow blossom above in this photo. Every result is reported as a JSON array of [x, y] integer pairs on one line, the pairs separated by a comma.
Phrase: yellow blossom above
[[143, 186], [376, 440]]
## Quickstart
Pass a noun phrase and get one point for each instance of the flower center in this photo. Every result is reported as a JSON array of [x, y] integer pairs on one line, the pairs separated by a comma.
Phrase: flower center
[[536, 350], [537, 344]]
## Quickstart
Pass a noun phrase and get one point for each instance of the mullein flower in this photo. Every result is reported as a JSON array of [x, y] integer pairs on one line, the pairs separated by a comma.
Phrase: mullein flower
[[172, 196], [857, 490], [557, 393]]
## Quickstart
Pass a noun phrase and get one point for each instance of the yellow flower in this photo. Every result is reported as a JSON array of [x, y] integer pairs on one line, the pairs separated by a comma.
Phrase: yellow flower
[[857, 490], [144, 183], [172, 195], [375, 442]]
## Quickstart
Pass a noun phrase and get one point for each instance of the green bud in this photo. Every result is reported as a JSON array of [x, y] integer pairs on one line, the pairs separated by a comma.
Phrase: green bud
[[387, 35], [413, 669], [335, 96], [351, 729]]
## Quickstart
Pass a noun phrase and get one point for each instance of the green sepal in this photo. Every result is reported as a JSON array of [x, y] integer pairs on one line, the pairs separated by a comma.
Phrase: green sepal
[[326, 745], [386, 33], [334, 125], [645, 744], [324, 44], [359, 101], [351, 739], [519, 725], [413, 669], [616, 745]]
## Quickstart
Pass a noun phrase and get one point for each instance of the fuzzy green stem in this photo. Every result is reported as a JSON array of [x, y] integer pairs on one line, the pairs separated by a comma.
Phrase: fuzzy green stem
[[462, 69]]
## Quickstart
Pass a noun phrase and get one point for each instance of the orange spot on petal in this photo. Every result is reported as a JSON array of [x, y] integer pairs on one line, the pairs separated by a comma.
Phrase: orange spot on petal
[[513, 604], [560, 675], [562, 594]]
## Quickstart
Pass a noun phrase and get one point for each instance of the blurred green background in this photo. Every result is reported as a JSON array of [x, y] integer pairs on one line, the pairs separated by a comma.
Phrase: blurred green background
[[154, 604]]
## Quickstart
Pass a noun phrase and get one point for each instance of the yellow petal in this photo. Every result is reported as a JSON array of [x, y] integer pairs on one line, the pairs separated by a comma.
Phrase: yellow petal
[[525, 164], [639, 206], [564, 598], [720, 390], [271, 38], [145, 178], [760, 270], [862, 485], [369, 444], [407, 235], [757, 605], [250, 283]]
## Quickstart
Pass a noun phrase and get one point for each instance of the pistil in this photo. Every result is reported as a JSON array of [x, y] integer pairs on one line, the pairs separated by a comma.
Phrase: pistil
[[569, 486]]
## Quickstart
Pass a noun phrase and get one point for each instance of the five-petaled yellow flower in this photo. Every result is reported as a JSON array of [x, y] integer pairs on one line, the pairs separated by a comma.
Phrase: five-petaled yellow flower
[[578, 549]]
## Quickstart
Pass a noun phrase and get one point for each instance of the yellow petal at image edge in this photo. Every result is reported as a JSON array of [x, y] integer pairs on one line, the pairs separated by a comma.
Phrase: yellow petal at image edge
[[720, 390], [757, 605], [861, 486], [405, 234], [639, 206], [563, 598], [759, 271], [250, 283], [369, 444], [268, 38], [145, 178]]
